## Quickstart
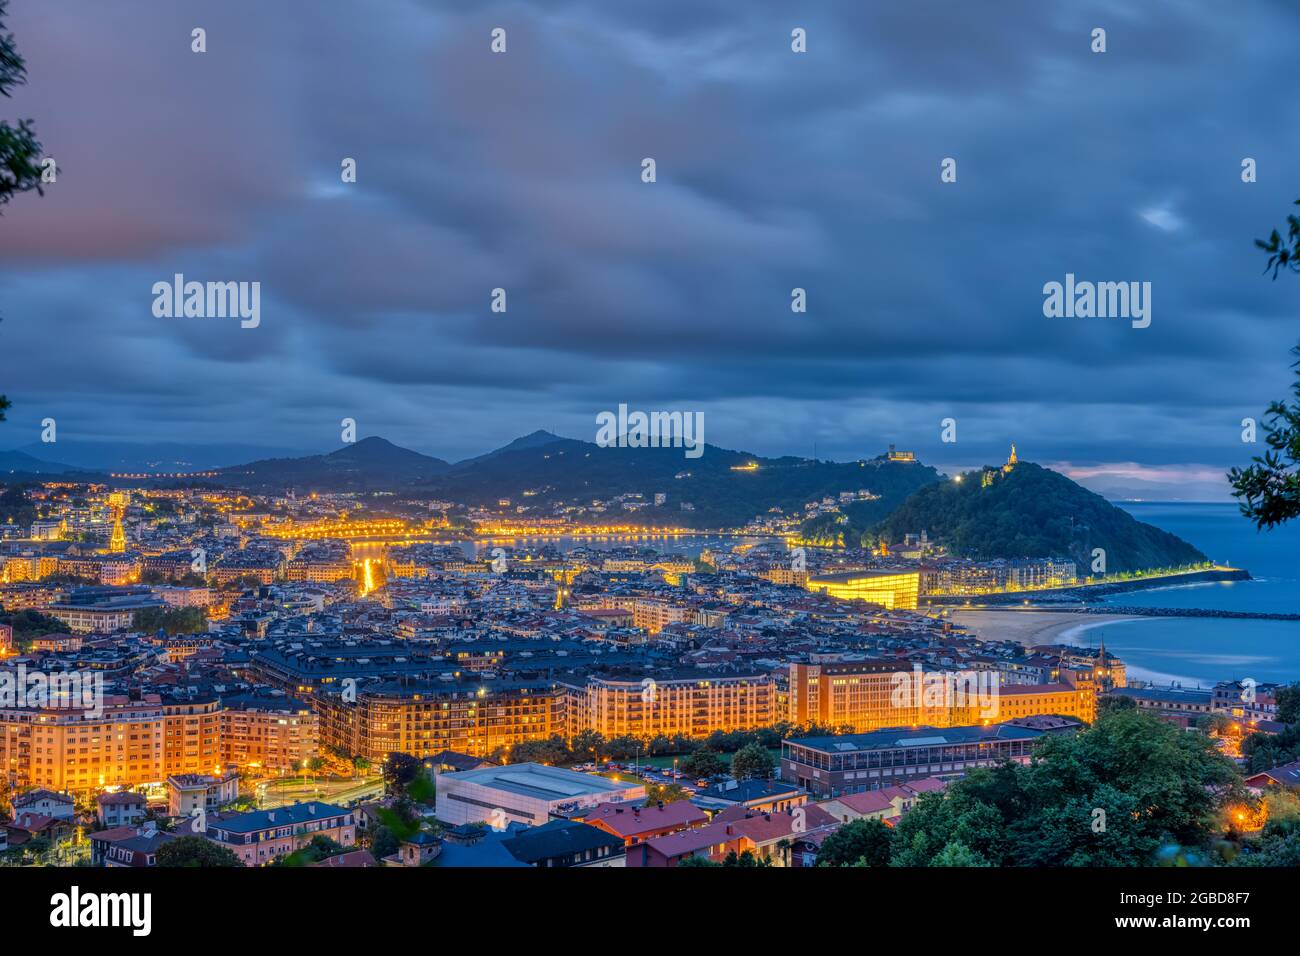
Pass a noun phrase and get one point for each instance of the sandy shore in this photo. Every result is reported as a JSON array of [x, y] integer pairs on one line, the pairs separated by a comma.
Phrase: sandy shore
[[1033, 627]]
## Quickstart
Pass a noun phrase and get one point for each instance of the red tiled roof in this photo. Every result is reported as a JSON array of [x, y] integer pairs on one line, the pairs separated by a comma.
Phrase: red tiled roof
[[628, 821]]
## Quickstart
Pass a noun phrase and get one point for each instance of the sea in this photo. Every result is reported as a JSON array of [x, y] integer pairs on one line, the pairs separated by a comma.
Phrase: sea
[[1199, 652]]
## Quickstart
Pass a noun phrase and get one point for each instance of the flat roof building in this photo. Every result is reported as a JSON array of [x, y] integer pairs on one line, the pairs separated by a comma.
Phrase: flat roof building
[[853, 763], [529, 793]]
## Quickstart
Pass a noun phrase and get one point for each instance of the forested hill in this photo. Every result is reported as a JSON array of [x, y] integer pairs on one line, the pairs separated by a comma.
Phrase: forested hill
[[1033, 512]]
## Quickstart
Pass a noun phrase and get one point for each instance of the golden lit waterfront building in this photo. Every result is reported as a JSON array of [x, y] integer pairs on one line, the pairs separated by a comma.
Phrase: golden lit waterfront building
[[891, 589]]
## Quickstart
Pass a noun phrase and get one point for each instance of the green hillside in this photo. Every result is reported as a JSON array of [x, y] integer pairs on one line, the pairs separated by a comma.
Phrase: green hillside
[[1033, 512]]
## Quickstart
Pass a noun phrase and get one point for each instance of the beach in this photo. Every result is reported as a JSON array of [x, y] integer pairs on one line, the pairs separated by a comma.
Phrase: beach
[[1032, 628]]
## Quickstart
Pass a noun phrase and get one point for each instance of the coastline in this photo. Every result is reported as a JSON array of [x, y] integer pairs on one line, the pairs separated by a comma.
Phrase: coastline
[[1033, 629]]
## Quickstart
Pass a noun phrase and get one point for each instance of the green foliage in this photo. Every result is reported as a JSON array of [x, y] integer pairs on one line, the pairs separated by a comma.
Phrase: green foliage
[[1156, 783], [664, 793], [554, 751], [752, 760], [29, 625], [1283, 253], [693, 861], [195, 851], [1288, 703], [1033, 512], [320, 848], [400, 771], [857, 843], [1266, 751], [1268, 490], [14, 506], [746, 860], [20, 152], [181, 620], [958, 854], [703, 763]]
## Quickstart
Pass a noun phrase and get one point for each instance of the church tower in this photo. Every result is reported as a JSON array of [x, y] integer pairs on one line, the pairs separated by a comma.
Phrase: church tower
[[117, 543]]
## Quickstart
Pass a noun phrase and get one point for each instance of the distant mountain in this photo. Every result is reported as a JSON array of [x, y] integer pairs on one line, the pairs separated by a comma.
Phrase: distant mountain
[[372, 464], [726, 488], [1033, 512], [108, 456], [535, 440], [18, 462]]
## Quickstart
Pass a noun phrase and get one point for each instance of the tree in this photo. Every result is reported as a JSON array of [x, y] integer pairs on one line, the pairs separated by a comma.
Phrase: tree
[[704, 764], [664, 793], [181, 620], [746, 859], [958, 854], [400, 771], [858, 843], [752, 760], [1288, 703], [195, 851], [1111, 795], [1269, 490], [20, 152], [586, 745], [698, 861]]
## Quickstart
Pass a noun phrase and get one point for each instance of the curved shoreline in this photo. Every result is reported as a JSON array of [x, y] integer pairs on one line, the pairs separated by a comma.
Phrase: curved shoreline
[[1032, 629]]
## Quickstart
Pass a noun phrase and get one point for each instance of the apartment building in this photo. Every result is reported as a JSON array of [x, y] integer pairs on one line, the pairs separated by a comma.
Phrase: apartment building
[[425, 717], [260, 836], [690, 703]]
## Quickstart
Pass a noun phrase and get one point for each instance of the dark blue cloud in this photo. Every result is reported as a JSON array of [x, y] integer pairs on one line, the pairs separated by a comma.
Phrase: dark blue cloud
[[775, 170]]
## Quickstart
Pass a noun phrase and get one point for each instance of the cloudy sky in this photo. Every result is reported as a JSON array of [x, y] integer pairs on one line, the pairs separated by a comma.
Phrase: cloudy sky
[[774, 170]]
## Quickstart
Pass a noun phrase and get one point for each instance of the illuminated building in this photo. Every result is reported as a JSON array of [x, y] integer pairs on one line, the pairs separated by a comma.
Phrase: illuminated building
[[900, 455], [958, 578], [786, 576], [191, 736], [271, 733], [49, 530], [145, 741], [117, 542], [693, 705], [65, 749], [102, 568], [867, 696], [890, 589], [1011, 461], [861, 695], [1061, 699], [424, 718]]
